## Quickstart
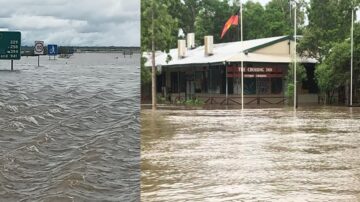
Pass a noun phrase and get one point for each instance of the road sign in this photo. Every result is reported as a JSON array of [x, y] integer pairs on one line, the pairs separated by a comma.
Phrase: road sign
[[10, 45], [52, 49], [39, 48]]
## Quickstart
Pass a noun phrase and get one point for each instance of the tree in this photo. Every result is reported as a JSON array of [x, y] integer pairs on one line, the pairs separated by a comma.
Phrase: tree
[[211, 19], [300, 76], [279, 17], [157, 28], [206, 17], [334, 71], [145, 72], [254, 20], [186, 11], [329, 23], [327, 38]]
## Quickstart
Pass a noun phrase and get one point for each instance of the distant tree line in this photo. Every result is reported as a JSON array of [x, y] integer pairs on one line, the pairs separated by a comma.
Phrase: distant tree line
[[29, 50]]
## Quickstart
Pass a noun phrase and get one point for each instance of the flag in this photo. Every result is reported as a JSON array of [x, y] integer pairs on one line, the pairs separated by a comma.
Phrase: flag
[[233, 20]]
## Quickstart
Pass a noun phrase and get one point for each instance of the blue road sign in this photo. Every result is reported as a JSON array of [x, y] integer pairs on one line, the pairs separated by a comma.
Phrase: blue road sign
[[52, 49]]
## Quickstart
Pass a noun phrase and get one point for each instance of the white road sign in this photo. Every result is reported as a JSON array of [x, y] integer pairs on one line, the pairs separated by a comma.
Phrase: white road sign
[[39, 48]]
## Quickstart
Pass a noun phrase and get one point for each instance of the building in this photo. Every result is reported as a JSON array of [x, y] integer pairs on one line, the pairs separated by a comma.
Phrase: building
[[212, 72]]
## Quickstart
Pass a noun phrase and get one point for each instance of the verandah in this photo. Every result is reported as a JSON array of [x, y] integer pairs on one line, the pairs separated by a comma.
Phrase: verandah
[[220, 84]]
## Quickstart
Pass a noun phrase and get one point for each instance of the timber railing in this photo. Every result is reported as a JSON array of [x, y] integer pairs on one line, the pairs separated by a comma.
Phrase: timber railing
[[222, 100]]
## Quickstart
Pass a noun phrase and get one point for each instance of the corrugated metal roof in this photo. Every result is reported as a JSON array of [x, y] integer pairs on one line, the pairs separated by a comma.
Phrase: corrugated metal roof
[[230, 52]]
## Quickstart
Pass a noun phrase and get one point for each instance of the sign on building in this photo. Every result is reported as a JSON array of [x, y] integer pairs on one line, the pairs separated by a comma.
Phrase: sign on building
[[39, 48], [52, 49], [10, 45]]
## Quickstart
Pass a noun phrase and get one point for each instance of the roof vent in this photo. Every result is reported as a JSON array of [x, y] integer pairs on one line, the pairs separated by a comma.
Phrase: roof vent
[[181, 48], [209, 43], [190, 40]]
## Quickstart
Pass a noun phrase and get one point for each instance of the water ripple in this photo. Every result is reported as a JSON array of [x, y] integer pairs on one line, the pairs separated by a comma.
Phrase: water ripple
[[69, 130]]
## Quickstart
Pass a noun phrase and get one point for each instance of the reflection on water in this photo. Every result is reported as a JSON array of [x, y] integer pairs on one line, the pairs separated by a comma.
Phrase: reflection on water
[[257, 155], [69, 129]]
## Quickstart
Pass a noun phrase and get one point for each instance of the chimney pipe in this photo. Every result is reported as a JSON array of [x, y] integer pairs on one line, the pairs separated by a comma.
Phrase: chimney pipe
[[190, 40], [181, 48], [209, 44]]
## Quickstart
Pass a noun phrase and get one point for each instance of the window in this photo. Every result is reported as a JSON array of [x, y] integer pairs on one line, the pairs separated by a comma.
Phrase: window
[[249, 86], [276, 85], [198, 81], [182, 77], [178, 82], [174, 82], [214, 79], [263, 86]]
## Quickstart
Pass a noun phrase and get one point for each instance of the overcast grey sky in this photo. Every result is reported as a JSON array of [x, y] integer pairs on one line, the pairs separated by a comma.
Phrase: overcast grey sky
[[74, 22]]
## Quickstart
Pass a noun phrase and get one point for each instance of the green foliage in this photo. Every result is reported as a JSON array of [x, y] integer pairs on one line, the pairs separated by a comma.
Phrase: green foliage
[[211, 18], [329, 23], [191, 102], [185, 12], [145, 72], [157, 29], [253, 19], [194, 102], [334, 70], [157, 25], [161, 99], [280, 17], [290, 90], [323, 75], [327, 38], [300, 76], [206, 17]]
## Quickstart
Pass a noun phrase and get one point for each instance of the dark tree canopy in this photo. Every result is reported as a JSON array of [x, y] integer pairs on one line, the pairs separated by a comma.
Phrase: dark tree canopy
[[207, 17]]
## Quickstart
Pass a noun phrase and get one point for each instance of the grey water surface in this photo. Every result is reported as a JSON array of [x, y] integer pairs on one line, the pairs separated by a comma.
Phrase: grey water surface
[[69, 129], [255, 155]]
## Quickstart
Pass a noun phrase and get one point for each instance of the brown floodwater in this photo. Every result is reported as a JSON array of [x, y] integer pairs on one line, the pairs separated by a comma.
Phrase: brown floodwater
[[255, 155]]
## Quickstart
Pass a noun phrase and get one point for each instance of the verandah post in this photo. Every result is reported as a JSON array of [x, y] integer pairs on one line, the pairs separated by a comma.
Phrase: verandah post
[[227, 92]]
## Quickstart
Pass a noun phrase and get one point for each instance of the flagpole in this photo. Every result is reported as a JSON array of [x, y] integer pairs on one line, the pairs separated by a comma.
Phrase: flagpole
[[352, 55], [295, 58], [242, 60]]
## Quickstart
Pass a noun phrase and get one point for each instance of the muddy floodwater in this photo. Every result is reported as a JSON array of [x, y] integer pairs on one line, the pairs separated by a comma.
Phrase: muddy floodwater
[[69, 129], [255, 155]]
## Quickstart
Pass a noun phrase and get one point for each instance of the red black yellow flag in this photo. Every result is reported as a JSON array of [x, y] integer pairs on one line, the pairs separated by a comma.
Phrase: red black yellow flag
[[233, 20]]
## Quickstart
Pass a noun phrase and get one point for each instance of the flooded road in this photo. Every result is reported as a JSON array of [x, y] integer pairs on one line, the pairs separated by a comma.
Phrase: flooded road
[[69, 129], [257, 155]]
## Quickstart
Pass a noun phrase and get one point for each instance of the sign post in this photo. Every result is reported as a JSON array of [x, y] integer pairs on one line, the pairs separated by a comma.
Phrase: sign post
[[52, 50], [39, 50], [10, 46]]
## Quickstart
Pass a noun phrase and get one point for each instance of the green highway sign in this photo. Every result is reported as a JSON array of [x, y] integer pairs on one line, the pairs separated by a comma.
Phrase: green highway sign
[[10, 45]]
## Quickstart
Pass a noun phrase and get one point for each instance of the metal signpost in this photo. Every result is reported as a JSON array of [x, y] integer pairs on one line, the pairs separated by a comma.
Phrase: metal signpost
[[10, 46], [39, 50], [52, 50]]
